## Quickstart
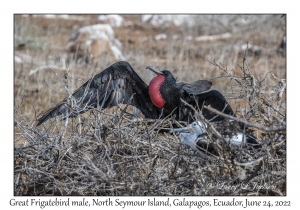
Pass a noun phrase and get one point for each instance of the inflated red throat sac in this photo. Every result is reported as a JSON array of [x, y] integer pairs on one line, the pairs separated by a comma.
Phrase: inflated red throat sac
[[154, 91]]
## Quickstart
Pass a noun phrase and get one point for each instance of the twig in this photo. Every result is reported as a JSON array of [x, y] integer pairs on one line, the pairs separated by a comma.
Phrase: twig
[[255, 125], [250, 163]]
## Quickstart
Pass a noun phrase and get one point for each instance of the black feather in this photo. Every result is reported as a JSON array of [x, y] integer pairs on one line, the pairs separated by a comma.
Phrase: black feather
[[119, 83], [117, 80]]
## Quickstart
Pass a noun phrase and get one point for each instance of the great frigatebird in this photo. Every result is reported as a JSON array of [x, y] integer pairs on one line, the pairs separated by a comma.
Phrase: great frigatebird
[[195, 135], [119, 83]]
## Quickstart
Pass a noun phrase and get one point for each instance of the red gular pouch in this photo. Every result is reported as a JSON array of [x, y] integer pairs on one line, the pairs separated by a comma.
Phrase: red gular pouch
[[154, 91]]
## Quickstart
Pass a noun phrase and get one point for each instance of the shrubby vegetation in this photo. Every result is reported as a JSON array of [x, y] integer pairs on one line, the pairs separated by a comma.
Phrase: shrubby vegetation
[[111, 152]]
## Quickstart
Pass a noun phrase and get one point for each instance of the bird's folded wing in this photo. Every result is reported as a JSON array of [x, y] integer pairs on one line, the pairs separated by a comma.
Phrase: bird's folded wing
[[196, 87]]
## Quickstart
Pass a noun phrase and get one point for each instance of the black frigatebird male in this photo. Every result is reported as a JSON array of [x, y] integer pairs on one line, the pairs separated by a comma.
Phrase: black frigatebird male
[[119, 83]]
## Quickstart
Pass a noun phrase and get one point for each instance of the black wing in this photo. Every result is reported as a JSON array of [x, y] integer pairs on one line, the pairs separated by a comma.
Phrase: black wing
[[196, 87], [217, 101], [211, 98], [119, 83]]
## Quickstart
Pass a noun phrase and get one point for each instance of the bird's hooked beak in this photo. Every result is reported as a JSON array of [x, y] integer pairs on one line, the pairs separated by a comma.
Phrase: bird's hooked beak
[[191, 127], [188, 128], [154, 70]]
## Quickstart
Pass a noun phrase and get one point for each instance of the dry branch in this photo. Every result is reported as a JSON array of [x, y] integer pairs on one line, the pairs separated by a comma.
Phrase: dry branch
[[260, 127]]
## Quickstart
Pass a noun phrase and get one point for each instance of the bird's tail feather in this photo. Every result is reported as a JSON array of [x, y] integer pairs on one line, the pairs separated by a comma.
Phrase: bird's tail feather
[[252, 141]]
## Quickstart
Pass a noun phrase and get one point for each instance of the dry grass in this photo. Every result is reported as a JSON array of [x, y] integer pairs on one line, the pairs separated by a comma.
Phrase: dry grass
[[112, 153]]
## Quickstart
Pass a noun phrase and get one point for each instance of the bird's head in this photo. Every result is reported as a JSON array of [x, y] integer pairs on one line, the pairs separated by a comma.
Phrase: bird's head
[[160, 87], [191, 134], [168, 77]]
